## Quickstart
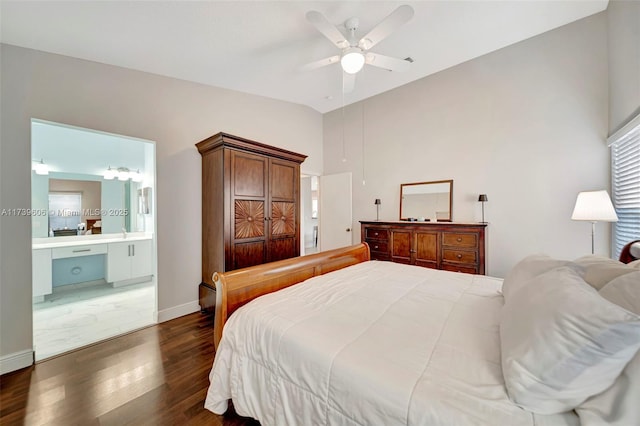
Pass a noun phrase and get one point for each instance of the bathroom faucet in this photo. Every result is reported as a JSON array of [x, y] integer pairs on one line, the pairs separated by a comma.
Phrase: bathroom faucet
[[124, 233]]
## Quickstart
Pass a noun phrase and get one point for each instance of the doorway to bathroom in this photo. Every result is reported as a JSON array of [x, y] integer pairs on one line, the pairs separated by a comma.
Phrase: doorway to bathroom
[[309, 231], [93, 236]]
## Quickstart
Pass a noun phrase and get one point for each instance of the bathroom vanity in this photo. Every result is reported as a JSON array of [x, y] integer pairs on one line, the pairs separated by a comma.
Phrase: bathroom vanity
[[127, 259]]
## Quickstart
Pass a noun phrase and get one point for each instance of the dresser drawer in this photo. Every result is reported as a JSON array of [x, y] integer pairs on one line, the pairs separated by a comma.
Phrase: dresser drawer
[[460, 256], [379, 256], [467, 269], [380, 246], [376, 234], [456, 239], [75, 251]]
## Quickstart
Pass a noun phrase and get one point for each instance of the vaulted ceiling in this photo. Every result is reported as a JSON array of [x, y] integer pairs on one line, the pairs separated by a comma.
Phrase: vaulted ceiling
[[258, 47]]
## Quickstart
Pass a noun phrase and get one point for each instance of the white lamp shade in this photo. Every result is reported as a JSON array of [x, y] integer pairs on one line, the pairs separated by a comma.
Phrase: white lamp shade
[[594, 206], [352, 60]]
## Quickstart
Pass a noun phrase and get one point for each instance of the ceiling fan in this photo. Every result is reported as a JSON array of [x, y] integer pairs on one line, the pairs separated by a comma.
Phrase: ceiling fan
[[355, 53]]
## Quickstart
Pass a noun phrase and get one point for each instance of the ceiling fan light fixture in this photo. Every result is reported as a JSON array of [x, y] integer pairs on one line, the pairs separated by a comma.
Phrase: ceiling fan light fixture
[[352, 60]]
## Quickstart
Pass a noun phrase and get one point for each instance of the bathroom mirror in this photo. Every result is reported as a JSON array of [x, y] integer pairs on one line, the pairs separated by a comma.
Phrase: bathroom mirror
[[79, 161], [426, 201]]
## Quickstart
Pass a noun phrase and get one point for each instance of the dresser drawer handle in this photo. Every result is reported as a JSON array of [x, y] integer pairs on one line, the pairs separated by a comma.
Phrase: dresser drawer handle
[[459, 256], [80, 250], [459, 239], [376, 234], [375, 247]]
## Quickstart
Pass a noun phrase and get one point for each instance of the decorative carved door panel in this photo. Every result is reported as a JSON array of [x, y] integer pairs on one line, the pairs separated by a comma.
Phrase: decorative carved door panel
[[249, 219], [283, 219]]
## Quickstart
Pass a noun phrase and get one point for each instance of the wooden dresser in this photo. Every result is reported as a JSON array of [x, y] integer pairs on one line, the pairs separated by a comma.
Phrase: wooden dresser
[[250, 206], [458, 247]]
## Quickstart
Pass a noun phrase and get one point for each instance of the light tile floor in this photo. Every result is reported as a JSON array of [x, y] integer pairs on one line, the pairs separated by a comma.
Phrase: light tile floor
[[70, 319]]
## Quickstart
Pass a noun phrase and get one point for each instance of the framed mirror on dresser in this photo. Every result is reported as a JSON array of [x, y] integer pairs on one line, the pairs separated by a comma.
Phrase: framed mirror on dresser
[[426, 201]]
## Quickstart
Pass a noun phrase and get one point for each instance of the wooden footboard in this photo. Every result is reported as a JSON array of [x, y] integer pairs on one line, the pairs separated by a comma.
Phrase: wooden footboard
[[235, 288]]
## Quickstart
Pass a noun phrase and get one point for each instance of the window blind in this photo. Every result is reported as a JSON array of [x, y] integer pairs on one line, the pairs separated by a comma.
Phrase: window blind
[[625, 181]]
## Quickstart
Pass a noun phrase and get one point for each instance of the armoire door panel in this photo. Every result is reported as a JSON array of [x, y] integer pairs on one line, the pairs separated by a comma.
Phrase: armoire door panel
[[248, 219], [283, 180], [248, 254], [283, 218], [249, 174], [282, 248]]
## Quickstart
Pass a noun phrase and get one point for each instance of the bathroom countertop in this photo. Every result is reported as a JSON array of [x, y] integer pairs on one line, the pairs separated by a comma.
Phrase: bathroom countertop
[[82, 240]]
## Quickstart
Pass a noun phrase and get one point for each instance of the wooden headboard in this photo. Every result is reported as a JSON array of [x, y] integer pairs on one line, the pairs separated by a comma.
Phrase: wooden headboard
[[236, 288]]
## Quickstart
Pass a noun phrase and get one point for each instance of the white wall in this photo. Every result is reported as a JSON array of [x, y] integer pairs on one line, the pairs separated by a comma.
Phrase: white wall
[[174, 113], [525, 125], [624, 62]]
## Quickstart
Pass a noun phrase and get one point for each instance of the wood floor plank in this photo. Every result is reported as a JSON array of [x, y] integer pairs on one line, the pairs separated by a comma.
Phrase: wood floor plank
[[155, 376]]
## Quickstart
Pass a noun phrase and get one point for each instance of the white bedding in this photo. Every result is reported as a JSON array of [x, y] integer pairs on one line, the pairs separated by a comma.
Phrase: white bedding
[[377, 343]]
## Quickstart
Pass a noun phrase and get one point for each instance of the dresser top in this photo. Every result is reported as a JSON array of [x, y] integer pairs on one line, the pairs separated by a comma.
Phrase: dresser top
[[414, 223]]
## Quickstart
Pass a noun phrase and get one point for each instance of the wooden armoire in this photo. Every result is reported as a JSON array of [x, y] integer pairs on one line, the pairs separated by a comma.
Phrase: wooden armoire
[[250, 206]]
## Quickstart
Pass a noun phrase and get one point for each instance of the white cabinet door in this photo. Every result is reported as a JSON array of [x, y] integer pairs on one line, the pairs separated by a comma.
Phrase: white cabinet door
[[119, 262], [41, 273], [129, 259], [141, 259]]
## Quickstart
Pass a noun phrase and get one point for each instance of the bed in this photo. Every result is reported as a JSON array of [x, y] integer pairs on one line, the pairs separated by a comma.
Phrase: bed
[[361, 342]]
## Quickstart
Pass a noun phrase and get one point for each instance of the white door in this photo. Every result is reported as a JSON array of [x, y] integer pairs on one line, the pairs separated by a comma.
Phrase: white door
[[335, 211]]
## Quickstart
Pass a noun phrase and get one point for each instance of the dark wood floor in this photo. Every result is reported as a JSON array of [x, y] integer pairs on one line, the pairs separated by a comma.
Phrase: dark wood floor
[[156, 376]]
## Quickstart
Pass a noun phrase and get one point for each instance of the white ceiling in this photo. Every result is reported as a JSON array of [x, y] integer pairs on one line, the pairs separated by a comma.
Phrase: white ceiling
[[258, 46]]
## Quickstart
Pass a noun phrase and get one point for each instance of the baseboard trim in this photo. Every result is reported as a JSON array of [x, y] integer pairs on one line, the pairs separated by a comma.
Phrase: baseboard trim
[[178, 311], [139, 280], [16, 361]]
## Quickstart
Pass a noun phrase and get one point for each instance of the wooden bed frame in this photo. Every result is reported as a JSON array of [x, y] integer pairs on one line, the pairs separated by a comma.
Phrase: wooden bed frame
[[235, 288]]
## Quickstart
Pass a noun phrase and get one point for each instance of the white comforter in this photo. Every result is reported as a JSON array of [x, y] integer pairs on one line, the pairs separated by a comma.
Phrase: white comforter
[[376, 343]]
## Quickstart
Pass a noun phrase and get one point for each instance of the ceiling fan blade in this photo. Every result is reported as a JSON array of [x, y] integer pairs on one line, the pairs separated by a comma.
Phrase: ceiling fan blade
[[388, 25], [348, 82], [387, 62], [327, 29], [321, 63]]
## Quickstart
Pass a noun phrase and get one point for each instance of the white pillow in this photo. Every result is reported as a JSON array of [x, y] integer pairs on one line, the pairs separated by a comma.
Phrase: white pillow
[[624, 291], [528, 268], [599, 270], [562, 342], [618, 405]]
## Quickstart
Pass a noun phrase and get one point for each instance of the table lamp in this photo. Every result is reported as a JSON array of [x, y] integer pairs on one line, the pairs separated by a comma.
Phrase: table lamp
[[594, 206]]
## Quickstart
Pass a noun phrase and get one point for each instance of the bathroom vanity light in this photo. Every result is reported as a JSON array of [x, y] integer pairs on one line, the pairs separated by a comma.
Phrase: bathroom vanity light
[[40, 168], [123, 174], [110, 174]]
